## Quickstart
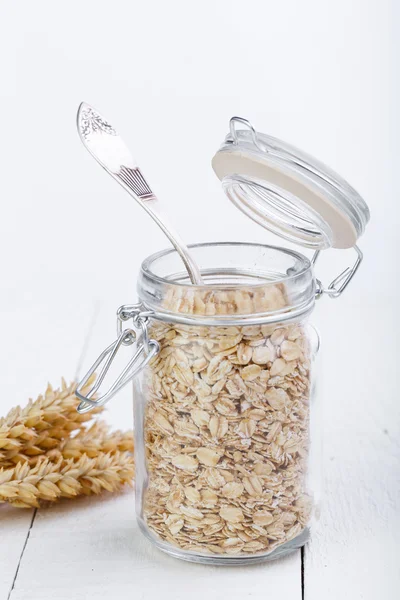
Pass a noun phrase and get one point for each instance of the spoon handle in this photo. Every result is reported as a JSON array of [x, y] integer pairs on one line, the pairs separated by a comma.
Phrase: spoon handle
[[153, 208], [133, 181]]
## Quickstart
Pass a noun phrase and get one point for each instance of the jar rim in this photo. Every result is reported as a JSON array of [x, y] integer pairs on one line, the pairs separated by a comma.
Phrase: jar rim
[[302, 260], [246, 283]]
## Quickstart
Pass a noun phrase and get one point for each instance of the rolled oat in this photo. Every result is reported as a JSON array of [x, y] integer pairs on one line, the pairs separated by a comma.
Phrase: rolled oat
[[226, 429]]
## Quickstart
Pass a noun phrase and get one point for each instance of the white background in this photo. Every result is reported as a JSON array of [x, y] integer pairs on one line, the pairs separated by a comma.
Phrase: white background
[[320, 74]]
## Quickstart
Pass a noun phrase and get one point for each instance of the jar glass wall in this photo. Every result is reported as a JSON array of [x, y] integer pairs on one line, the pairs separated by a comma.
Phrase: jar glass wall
[[223, 440]]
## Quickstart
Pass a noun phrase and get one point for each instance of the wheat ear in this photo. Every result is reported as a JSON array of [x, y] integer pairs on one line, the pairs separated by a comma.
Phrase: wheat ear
[[24, 486], [41, 426], [92, 441]]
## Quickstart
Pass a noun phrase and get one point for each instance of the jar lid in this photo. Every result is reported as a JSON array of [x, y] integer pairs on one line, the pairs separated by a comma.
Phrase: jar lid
[[287, 191]]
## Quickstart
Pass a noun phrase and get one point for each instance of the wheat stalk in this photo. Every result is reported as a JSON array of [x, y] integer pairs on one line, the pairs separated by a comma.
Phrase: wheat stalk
[[24, 486], [42, 425]]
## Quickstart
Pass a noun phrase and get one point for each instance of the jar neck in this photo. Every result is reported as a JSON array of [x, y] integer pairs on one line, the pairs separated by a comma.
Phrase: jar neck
[[244, 283]]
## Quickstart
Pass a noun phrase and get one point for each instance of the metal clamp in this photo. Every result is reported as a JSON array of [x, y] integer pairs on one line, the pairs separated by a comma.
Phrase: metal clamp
[[145, 351], [339, 284]]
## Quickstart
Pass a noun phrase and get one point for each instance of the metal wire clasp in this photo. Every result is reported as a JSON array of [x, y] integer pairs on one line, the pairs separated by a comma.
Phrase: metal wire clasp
[[246, 123], [339, 284], [145, 350]]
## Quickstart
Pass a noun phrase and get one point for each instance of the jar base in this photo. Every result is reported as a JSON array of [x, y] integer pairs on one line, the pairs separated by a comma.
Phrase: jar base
[[248, 559]]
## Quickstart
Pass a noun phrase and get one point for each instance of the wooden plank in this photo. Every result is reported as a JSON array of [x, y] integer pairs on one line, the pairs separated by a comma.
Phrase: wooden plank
[[14, 526], [92, 548], [354, 550]]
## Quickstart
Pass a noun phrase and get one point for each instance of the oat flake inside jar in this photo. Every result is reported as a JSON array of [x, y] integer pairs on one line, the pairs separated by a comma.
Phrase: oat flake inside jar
[[223, 373]]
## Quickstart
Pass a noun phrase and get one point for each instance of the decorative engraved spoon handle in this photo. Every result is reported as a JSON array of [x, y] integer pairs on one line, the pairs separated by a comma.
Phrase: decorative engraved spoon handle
[[106, 146]]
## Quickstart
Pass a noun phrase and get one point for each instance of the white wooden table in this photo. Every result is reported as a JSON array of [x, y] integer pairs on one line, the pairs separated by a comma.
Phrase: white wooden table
[[91, 547]]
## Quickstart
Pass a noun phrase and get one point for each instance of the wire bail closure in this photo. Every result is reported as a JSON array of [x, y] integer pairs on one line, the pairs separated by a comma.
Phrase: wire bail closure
[[145, 350], [340, 283]]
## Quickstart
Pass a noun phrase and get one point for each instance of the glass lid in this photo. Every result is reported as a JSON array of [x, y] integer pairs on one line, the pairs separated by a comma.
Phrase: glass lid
[[287, 191]]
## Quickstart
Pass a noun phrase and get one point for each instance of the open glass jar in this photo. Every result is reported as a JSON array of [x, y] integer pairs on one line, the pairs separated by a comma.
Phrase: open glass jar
[[225, 442], [222, 413]]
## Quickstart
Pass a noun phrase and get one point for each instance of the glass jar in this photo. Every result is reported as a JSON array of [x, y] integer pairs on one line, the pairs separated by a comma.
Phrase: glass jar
[[222, 412], [226, 429]]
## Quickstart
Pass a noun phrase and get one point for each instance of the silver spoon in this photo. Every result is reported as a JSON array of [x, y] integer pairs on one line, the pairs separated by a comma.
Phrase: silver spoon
[[106, 146]]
